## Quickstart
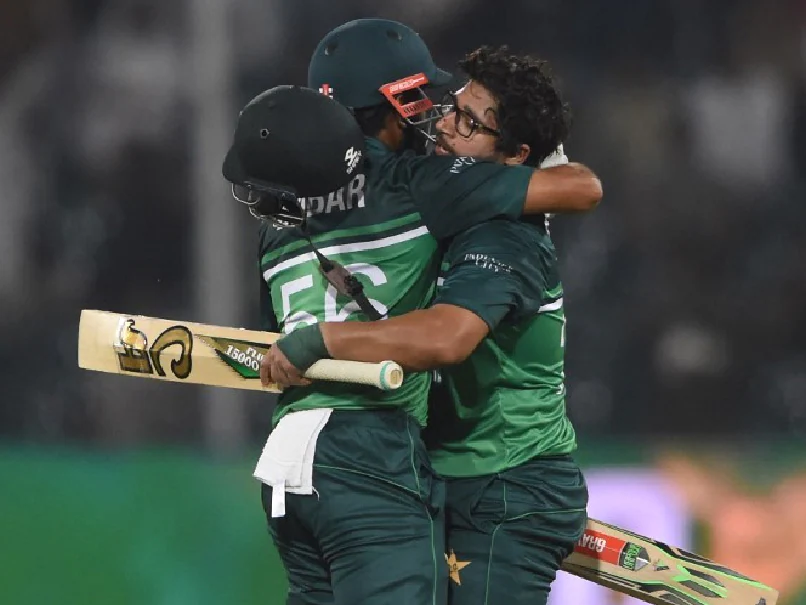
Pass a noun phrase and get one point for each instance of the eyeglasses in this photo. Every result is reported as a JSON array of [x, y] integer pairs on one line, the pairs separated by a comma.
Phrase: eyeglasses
[[464, 122]]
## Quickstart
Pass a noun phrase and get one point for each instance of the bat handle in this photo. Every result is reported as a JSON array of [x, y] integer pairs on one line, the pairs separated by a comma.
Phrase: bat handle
[[386, 375]]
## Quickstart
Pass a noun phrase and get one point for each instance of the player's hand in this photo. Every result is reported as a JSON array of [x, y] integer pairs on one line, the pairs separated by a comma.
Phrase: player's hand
[[275, 367], [290, 356]]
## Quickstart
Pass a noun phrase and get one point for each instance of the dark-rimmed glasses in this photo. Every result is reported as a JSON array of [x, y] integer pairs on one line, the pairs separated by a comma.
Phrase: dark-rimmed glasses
[[465, 123]]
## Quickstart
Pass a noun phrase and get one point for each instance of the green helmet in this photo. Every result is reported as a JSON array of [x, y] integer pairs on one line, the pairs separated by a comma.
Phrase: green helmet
[[354, 62], [291, 142]]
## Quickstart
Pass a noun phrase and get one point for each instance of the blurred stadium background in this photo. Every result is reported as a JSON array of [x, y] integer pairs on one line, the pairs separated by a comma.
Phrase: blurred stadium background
[[686, 289]]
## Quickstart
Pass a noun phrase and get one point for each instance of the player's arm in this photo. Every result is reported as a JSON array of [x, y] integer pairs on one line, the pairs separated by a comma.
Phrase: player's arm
[[562, 189], [454, 194], [269, 323], [419, 340], [481, 287], [268, 320], [441, 335]]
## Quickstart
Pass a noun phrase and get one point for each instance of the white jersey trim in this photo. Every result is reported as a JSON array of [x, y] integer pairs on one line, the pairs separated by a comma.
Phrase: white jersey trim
[[384, 242], [552, 306]]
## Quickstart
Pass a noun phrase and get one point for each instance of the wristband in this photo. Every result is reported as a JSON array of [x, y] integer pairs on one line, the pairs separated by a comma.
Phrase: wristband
[[304, 346]]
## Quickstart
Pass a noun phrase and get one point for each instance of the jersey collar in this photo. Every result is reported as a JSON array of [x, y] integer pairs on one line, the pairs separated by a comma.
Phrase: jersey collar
[[375, 146]]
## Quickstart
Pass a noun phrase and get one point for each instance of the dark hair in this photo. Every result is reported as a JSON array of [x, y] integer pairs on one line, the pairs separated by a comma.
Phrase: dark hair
[[530, 108]]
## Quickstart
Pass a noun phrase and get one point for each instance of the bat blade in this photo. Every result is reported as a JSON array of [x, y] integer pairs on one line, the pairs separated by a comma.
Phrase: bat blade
[[180, 351], [657, 573]]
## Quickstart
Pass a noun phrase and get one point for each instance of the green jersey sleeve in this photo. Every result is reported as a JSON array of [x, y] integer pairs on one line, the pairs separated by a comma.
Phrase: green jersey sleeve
[[268, 320], [454, 193], [494, 269]]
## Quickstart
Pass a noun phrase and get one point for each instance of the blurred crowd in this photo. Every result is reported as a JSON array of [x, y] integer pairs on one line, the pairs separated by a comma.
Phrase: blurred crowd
[[685, 289]]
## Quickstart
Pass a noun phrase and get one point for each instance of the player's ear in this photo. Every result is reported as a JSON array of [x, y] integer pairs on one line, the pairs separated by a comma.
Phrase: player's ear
[[519, 157]]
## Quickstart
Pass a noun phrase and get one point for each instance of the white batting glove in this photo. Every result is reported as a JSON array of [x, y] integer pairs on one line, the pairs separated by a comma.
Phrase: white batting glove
[[558, 158]]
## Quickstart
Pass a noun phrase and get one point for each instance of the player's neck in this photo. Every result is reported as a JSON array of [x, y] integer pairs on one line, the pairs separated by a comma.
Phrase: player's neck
[[390, 138]]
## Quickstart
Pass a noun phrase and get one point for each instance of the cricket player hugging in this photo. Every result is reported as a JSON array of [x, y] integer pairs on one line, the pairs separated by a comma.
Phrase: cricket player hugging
[[354, 505]]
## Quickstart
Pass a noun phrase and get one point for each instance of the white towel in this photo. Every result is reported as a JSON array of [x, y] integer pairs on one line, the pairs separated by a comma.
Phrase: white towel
[[286, 464]]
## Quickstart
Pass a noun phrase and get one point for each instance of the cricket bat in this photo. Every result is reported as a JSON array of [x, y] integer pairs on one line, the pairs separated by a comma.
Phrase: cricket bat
[[180, 351], [610, 556], [656, 573]]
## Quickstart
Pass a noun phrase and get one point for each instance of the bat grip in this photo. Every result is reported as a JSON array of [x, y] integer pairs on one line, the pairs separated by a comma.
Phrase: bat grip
[[386, 375]]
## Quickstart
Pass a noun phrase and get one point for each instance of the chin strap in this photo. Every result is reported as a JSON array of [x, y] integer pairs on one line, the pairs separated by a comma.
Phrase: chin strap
[[345, 282], [281, 216]]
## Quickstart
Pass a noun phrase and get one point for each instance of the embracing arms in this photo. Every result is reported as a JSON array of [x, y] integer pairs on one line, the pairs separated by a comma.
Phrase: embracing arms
[[568, 188], [421, 340]]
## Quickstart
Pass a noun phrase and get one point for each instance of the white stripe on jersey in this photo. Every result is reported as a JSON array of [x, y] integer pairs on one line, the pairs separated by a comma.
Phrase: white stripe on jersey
[[552, 306], [346, 248]]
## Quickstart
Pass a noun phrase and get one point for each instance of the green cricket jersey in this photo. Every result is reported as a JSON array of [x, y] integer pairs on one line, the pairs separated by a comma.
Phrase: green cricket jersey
[[385, 227], [506, 402]]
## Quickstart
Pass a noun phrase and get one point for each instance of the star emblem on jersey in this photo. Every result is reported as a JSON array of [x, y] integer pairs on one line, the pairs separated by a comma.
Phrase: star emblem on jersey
[[325, 89], [351, 158], [454, 567]]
